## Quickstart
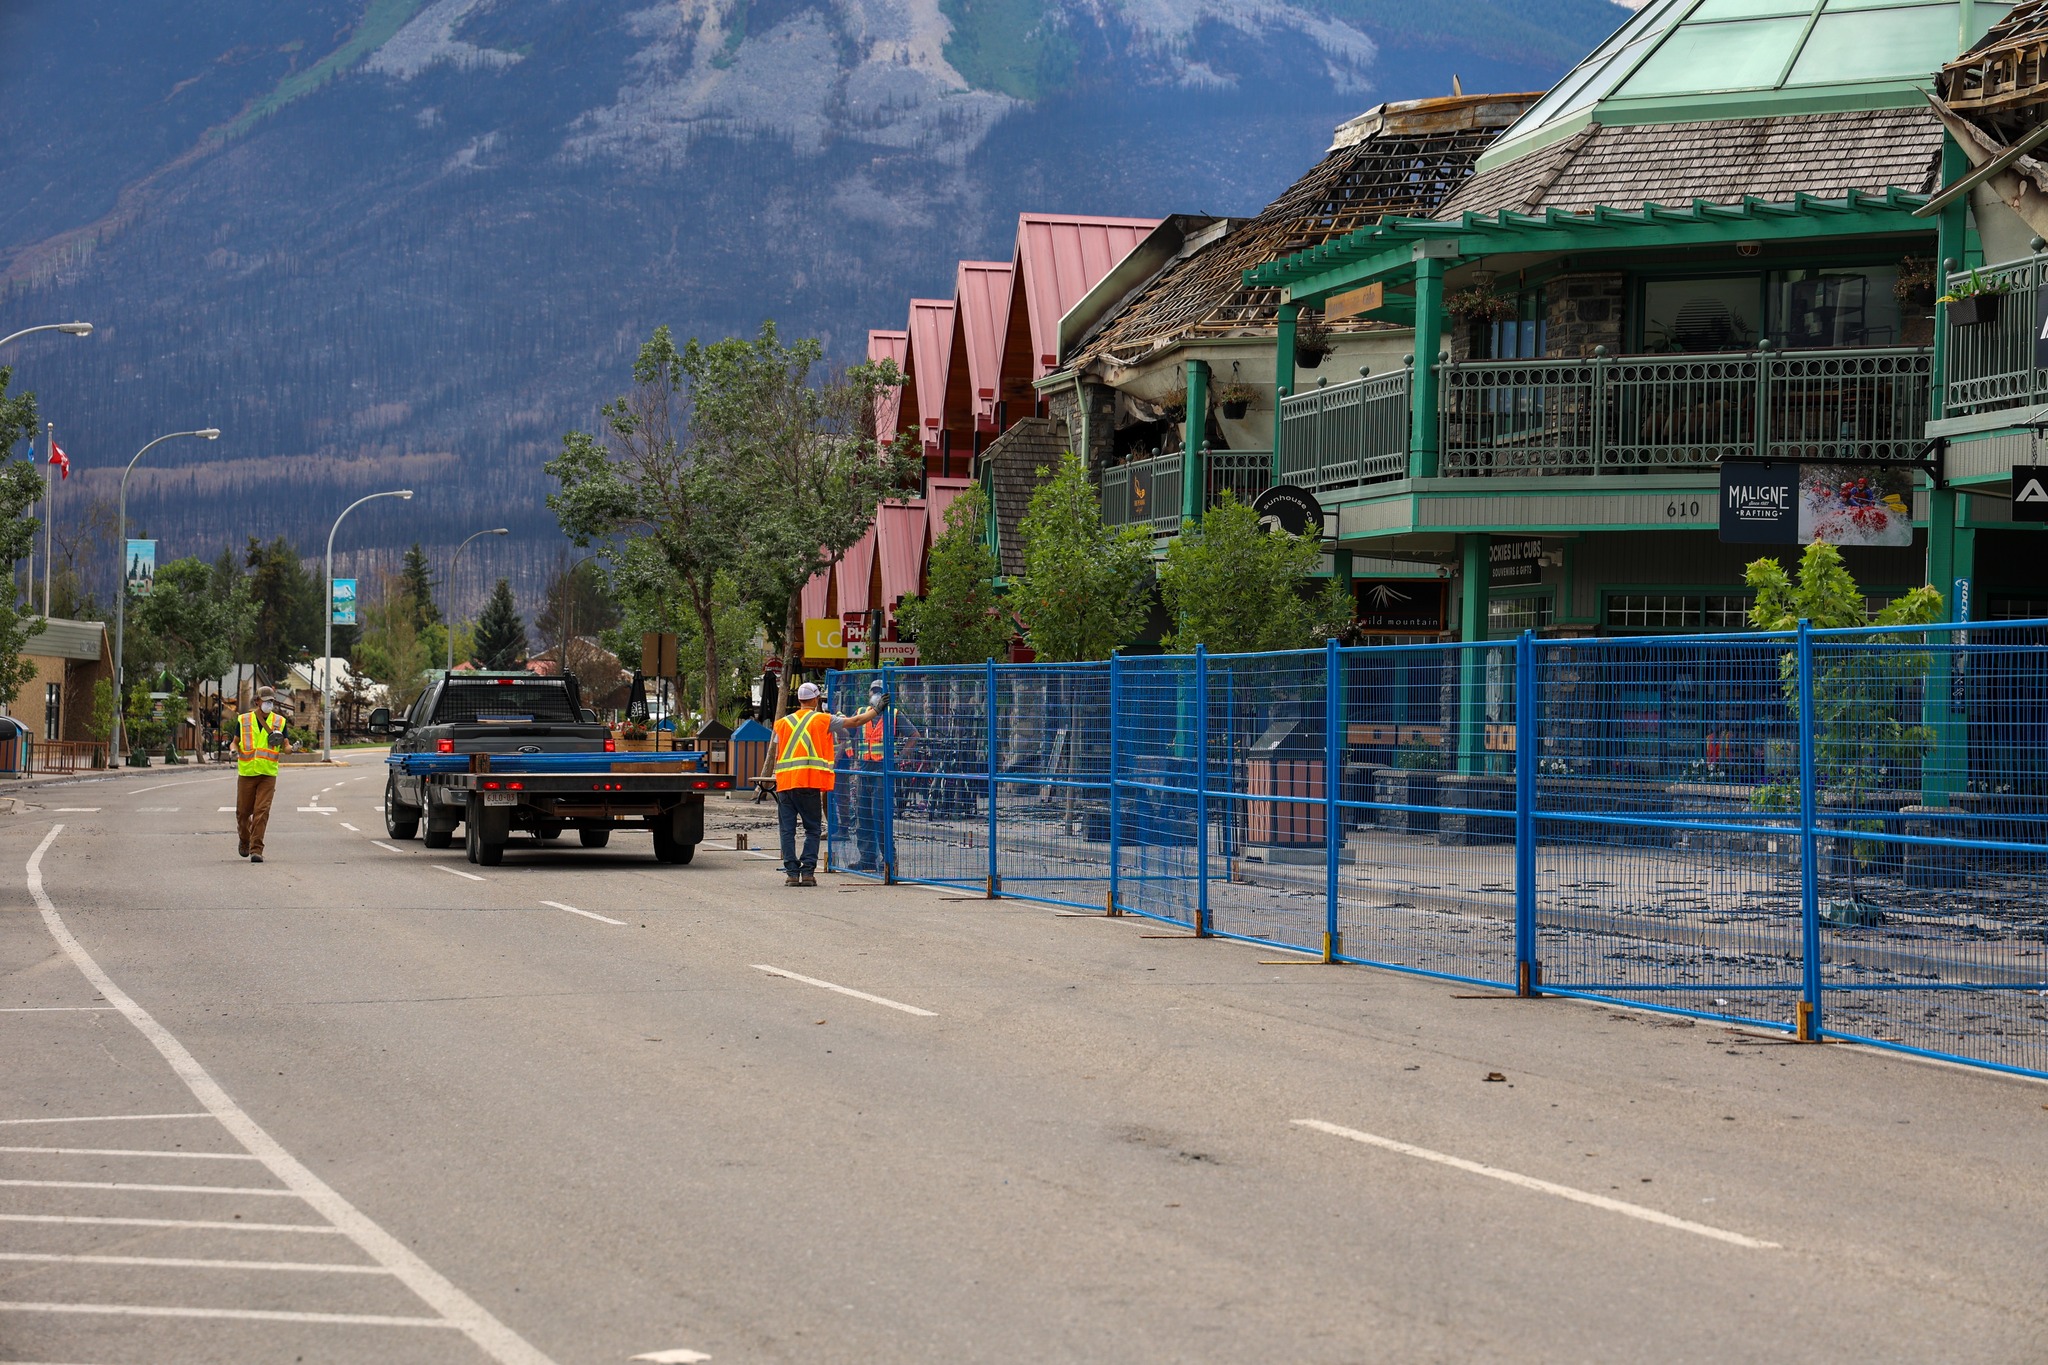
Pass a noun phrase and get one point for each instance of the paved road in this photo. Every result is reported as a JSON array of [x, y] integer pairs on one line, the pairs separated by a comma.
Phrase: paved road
[[418, 1111]]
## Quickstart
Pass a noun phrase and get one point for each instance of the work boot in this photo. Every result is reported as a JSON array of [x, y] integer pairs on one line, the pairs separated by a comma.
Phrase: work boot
[[792, 880], [255, 857], [242, 849], [809, 879]]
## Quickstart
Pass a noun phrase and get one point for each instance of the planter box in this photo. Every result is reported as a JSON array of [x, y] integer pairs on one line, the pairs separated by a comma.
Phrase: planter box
[[1408, 787], [1478, 791], [1978, 308]]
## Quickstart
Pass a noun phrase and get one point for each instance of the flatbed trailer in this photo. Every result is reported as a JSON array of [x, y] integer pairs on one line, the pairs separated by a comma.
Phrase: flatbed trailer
[[491, 796]]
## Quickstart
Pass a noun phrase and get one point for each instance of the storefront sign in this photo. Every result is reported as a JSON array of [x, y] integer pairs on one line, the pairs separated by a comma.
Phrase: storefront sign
[[2041, 329], [899, 652], [1402, 606], [1355, 302], [822, 638], [853, 633], [1284, 507], [1515, 562], [2030, 488], [1760, 504]]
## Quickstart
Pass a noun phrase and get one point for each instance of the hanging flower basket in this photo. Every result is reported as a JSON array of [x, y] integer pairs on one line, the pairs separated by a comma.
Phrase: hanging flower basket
[[1481, 305], [1236, 400]]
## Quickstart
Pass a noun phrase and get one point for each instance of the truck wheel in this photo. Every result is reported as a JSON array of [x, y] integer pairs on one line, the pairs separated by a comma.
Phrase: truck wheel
[[547, 832], [437, 838], [489, 855], [400, 822], [665, 845], [469, 840], [684, 852], [594, 838]]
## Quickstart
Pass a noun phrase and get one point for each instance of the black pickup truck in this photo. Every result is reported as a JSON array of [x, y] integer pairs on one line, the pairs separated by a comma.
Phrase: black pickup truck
[[570, 778]]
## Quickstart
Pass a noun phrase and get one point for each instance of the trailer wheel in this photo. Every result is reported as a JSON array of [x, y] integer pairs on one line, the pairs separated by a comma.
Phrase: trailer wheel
[[482, 849], [400, 822], [437, 838], [594, 838]]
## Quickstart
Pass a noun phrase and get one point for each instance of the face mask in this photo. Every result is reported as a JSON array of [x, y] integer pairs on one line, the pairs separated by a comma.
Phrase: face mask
[[268, 707]]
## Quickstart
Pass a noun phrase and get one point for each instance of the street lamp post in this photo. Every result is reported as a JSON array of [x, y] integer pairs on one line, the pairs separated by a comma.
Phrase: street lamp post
[[453, 560], [327, 655], [77, 329], [121, 588]]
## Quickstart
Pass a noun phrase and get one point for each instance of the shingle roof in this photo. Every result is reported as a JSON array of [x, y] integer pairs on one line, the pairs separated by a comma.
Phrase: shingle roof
[[1404, 160], [1824, 155], [1013, 461]]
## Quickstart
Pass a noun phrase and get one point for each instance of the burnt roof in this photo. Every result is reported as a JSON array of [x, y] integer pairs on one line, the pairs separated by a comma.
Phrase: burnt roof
[[1400, 159], [1721, 161]]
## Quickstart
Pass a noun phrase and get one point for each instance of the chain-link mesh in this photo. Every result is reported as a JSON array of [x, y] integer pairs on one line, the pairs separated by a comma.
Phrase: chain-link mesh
[[1842, 833]]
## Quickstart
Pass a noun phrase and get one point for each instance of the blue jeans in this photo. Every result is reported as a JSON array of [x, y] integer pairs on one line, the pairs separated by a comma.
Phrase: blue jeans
[[807, 804]]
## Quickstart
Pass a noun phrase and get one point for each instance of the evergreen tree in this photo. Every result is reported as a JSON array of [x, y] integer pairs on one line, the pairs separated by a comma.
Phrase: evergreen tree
[[20, 489], [286, 598], [500, 634], [418, 586], [960, 620]]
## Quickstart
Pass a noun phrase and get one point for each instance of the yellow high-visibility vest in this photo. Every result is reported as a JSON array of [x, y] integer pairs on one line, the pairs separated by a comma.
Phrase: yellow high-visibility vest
[[258, 742]]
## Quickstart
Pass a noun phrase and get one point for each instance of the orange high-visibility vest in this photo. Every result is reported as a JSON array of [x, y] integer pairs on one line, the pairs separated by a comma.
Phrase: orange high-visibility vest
[[803, 751], [874, 736]]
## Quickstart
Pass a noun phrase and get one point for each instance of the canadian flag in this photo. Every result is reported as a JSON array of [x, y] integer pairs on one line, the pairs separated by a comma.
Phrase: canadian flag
[[60, 460]]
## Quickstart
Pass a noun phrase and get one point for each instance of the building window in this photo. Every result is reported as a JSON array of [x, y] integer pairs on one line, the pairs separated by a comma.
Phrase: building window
[[1659, 612], [53, 711], [1507, 617], [2016, 609]]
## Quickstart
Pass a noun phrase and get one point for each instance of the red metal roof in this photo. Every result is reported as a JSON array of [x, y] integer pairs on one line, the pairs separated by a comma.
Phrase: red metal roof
[[889, 407], [1059, 258], [856, 573], [901, 544], [938, 497], [981, 292], [818, 595], [929, 354]]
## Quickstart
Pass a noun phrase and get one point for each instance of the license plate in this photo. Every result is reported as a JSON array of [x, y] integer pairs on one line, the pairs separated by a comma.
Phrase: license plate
[[501, 798]]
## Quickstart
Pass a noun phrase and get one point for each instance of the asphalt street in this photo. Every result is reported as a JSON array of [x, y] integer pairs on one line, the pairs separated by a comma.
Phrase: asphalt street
[[369, 1103]]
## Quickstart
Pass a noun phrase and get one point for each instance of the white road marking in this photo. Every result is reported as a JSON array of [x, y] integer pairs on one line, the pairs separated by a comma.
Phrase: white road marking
[[458, 1310], [845, 990], [587, 914], [682, 1355], [136, 1310], [440, 867], [347, 826], [91, 810], [225, 810], [130, 1151], [381, 844], [319, 810], [208, 1224], [1598, 1201], [193, 1263], [185, 783], [157, 810], [108, 1118], [260, 1190], [57, 1009]]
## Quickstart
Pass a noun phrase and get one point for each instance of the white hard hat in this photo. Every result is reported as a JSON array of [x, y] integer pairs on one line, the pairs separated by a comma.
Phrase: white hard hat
[[807, 692]]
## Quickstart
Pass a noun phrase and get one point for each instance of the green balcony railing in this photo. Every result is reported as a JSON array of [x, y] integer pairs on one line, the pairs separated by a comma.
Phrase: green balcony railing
[[1243, 473], [1990, 362], [1343, 435], [1143, 493]]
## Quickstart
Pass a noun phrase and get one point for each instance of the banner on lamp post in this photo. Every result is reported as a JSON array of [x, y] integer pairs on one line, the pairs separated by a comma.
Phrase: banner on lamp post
[[140, 574], [343, 608]]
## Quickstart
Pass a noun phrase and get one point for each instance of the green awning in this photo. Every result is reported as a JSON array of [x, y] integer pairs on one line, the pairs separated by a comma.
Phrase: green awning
[[1388, 250]]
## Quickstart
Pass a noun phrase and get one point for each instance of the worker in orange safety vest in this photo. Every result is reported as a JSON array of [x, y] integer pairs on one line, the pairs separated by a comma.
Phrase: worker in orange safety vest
[[803, 777]]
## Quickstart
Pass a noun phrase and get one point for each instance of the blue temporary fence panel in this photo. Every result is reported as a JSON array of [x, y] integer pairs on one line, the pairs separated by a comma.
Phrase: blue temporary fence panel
[[1842, 834]]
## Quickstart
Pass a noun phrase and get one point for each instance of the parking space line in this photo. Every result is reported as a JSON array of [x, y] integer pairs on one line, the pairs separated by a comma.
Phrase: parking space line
[[200, 1224], [455, 872], [587, 914], [262, 1191], [137, 1310], [1528, 1182], [191, 1263], [106, 1118], [844, 990], [131, 1151]]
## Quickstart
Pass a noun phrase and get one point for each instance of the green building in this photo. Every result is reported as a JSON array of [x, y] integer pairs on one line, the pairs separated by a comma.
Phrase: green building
[[1718, 239]]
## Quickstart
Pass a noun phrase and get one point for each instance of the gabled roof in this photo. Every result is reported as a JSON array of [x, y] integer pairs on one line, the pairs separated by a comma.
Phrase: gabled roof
[[981, 295], [1402, 159], [938, 496], [899, 544], [856, 574], [883, 345], [1058, 260], [929, 355], [817, 595]]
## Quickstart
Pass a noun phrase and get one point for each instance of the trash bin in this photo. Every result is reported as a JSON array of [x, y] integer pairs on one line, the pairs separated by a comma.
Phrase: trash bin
[[749, 748], [1285, 761]]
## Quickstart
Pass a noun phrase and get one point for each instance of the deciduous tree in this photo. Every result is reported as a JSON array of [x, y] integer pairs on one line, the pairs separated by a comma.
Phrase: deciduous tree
[[961, 619], [1083, 591], [1230, 584]]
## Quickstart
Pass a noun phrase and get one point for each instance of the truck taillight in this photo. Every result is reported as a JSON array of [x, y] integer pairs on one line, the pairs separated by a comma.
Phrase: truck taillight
[[611, 746], [444, 746]]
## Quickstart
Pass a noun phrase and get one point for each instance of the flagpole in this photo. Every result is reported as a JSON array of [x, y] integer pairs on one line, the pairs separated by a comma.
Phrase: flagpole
[[49, 518]]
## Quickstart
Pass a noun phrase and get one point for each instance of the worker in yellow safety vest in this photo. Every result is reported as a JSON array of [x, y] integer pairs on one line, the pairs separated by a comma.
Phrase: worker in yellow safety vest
[[259, 740], [803, 777]]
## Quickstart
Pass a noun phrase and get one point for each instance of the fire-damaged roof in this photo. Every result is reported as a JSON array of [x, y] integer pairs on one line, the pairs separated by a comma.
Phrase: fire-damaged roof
[[1401, 159]]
